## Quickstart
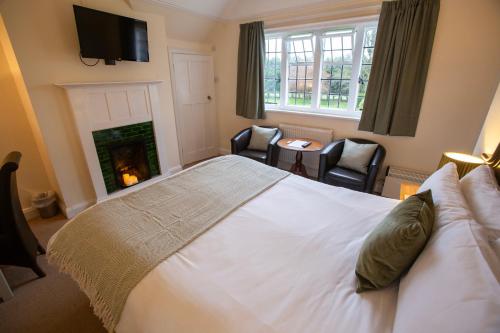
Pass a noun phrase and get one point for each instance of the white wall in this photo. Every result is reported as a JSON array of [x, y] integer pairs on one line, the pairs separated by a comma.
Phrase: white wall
[[16, 126], [489, 138], [44, 38], [462, 79]]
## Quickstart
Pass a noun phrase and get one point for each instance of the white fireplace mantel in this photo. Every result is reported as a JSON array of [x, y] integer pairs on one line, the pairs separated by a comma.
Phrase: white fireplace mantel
[[102, 105], [111, 83]]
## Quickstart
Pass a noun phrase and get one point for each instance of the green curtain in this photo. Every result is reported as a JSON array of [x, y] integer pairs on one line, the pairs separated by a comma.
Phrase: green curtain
[[250, 83], [400, 63]]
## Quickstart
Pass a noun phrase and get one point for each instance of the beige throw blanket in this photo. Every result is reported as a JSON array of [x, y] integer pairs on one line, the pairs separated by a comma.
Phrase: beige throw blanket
[[110, 247]]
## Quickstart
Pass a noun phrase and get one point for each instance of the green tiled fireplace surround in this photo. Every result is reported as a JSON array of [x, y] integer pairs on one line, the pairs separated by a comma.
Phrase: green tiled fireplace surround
[[119, 135]]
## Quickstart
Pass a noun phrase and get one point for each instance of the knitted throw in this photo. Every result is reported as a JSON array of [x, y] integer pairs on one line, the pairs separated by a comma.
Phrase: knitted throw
[[109, 248]]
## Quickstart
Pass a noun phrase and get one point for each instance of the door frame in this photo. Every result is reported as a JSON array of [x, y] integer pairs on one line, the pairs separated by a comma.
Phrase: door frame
[[171, 53]]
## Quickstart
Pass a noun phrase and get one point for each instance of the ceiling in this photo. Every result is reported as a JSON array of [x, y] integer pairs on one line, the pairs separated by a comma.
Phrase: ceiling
[[213, 8], [237, 9]]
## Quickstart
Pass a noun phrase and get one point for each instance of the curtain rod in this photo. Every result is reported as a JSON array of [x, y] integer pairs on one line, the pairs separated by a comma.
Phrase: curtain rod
[[277, 19], [325, 23], [324, 16]]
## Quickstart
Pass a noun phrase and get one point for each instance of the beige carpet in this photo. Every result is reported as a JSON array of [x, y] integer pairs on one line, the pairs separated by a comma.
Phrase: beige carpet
[[51, 304]]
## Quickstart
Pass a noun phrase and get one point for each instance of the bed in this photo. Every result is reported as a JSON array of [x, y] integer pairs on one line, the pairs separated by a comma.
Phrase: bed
[[284, 261]]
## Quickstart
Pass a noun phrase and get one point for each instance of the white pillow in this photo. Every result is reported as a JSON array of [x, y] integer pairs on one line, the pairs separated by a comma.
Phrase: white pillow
[[482, 193], [357, 156], [260, 137], [452, 286], [449, 202]]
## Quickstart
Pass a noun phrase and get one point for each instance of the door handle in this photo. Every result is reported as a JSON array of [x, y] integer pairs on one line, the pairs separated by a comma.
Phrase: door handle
[[209, 98]]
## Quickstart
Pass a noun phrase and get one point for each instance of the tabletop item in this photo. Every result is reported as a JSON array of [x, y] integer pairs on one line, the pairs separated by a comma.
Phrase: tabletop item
[[300, 145]]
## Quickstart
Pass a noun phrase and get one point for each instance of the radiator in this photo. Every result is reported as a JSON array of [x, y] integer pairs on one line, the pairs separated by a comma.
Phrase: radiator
[[397, 175], [310, 159]]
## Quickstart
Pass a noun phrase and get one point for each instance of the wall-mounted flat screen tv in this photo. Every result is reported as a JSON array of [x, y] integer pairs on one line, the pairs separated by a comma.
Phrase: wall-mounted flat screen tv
[[111, 37]]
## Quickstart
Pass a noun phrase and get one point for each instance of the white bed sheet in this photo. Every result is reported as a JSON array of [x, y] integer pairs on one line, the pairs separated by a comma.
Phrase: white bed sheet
[[283, 262]]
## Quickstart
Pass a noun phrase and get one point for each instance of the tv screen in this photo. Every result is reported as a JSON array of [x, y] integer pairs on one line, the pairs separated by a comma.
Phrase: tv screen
[[111, 37]]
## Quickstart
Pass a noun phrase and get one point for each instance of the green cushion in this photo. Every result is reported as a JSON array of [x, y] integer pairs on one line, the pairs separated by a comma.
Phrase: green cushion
[[392, 247], [260, 137]]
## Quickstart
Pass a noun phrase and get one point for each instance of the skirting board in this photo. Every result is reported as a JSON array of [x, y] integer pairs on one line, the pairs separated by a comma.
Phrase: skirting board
[[224, 151], [30, 213], [174, 170], [72, 211]]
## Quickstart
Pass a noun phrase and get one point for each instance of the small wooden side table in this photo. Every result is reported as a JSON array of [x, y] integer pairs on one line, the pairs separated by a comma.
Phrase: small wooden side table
[[298, 168]]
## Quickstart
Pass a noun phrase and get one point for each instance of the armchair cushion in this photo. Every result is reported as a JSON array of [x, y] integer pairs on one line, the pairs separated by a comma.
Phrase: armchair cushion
[[356, 156], [346, 178], [260, 137], [257, 155]]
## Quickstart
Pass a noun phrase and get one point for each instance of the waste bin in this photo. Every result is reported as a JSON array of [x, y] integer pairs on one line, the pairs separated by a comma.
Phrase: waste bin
[[46, 203]]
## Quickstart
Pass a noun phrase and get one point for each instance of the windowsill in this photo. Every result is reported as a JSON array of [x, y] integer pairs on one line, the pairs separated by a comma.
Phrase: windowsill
[[319, 114]]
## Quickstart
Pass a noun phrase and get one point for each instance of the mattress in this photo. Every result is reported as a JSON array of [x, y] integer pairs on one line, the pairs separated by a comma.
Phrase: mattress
[[283, 262]]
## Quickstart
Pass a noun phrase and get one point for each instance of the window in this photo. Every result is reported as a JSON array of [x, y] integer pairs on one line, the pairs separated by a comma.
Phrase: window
[[300, 52], [272, 71], [366, 64], [336, 69], [321, 71]]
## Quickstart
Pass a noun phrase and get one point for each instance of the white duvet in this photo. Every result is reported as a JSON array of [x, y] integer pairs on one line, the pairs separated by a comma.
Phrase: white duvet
[[283, 262]]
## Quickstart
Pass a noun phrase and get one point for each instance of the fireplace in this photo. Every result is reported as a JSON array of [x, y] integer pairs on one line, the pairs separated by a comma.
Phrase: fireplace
[[130, 162], [127, 155], [112, 113]]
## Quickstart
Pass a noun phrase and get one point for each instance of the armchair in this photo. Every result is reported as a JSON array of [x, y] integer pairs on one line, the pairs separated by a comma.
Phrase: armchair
[[240, 142], [330, 173]]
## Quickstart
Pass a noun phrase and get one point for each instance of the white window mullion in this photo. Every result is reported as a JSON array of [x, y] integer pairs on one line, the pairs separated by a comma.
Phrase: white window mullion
[[356, 67], [315, 98], [284, 72]]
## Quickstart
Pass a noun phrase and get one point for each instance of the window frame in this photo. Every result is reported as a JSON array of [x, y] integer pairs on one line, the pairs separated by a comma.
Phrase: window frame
[[358, 25]]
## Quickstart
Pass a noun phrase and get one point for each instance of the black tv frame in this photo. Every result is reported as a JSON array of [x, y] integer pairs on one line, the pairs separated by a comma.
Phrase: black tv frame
[[111, 54]]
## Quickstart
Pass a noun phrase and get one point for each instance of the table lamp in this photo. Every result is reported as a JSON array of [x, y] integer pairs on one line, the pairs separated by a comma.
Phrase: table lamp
[[465, 163], [492, 160]]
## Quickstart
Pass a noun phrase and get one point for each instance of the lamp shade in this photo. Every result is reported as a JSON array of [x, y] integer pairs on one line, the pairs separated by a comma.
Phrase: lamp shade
[[465, 163], [493, 160]]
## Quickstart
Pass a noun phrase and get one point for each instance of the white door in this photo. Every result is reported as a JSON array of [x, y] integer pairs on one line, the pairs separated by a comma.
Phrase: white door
[[195, 106]]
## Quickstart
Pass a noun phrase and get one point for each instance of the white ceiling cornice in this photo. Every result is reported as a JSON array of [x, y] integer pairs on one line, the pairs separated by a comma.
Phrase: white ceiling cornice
[[245, 11], [309, 8], [175, 5]]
